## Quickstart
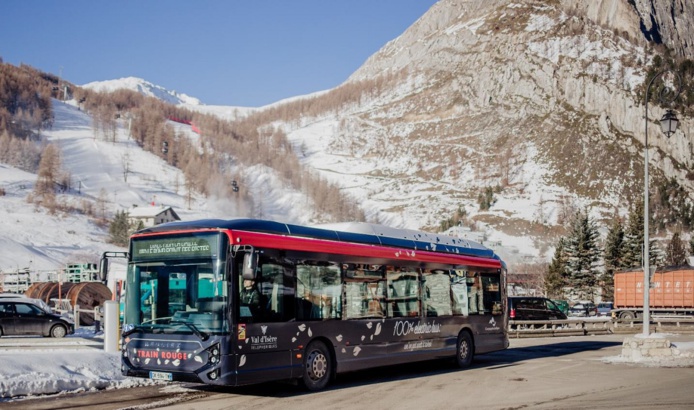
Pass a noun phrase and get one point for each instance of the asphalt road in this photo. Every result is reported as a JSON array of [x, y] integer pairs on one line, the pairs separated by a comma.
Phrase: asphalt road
[[537, 373]]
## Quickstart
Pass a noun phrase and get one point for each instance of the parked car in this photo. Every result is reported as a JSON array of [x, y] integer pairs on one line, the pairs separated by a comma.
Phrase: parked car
[[38, 302], [605, 308], [583, 309], [533, 308], [21, 316], [11, 295], [562, 305]]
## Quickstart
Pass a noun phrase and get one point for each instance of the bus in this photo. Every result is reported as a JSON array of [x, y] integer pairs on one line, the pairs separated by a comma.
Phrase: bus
[[243, 301]]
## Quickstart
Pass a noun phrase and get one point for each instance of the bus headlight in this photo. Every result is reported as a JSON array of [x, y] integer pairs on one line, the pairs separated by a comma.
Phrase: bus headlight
[[213, 357]]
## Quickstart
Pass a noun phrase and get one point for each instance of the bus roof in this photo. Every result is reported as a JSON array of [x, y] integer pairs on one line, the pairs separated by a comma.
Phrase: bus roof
[[353, 232]]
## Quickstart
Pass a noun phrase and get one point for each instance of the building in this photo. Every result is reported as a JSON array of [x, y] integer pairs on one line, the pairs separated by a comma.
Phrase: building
[[152, 215]]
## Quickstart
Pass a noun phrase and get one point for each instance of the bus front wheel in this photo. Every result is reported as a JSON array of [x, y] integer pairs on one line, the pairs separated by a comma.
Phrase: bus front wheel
[[465, 350], [317, 366]]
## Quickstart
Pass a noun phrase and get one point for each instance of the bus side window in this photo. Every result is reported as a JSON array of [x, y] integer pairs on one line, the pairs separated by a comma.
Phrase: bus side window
[[436, 293], [319, 291], [474, 291], [491, 295], [403, 292], [459, 292], [364, 292], [275, 289]]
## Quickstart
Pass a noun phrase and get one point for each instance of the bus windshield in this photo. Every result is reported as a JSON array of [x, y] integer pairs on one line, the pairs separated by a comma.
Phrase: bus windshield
[[177, 291]]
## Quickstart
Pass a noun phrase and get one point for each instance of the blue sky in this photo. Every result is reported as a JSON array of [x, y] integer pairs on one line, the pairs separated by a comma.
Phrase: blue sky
[[233, 52]]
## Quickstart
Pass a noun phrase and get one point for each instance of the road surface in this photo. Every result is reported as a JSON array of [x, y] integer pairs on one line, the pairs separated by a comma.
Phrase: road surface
[[537, 373]]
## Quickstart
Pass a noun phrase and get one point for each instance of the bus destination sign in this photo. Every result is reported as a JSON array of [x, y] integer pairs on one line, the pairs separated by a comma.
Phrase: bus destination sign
[[179, 247]]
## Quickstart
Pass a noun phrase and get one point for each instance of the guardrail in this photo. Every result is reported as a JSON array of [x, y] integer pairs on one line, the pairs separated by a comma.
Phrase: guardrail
[[550, 328], [661, 324], [597, 326]]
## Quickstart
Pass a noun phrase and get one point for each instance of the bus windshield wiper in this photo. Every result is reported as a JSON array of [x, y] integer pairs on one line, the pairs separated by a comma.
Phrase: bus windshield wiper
[[134, 329], [202, 335]]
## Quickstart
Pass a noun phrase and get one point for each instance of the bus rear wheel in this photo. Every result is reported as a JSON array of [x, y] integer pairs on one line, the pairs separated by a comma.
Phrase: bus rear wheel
[[465, 350], [317, 366]]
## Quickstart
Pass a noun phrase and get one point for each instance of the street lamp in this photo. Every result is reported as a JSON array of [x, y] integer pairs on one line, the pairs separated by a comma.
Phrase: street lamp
[[668, 125]]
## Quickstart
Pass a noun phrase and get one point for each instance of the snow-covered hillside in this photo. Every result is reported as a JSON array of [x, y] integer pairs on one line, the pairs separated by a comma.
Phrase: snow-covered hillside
[[536, 102], [32, 237], [148, 89], [145, 88]]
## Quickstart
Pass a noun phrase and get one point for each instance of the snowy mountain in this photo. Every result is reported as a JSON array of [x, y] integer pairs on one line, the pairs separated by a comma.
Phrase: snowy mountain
[[34, 238], [172, 97], [143, 87], [536, 102]]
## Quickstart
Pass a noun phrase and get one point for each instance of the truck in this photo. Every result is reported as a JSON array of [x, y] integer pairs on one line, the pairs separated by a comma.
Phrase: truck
[[671, 293]]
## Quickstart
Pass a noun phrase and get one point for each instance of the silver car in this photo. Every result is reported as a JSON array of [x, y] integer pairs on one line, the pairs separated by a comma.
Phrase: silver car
[[583, 309]]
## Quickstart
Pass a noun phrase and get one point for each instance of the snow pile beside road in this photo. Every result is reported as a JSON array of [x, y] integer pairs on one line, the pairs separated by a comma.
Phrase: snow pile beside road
[[655, 350], [30, 372], [48, 366]]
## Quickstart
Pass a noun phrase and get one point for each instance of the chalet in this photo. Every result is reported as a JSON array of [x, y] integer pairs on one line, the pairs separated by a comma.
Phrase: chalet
[[152, 215]]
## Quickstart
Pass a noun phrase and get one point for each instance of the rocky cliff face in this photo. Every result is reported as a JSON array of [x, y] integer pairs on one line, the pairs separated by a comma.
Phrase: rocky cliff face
[[670, 22], [537, 98]]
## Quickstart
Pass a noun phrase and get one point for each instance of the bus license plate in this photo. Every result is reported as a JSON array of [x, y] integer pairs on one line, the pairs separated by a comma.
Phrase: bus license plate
[[160, 376]]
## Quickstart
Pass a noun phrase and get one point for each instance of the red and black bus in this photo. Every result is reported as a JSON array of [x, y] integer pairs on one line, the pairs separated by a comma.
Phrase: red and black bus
[[241, 301]]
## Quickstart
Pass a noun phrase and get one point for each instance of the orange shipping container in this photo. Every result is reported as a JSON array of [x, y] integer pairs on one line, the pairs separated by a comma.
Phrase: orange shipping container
[[671, 289]]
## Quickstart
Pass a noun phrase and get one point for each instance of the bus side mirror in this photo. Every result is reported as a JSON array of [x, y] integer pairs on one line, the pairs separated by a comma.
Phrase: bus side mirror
[[103, 269], [250, 263]]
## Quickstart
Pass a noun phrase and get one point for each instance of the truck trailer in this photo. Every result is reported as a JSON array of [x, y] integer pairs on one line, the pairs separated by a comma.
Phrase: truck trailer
[[671, 293]]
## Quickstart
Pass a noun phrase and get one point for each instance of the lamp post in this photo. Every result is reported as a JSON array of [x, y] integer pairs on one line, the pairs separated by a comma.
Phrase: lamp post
[[668, 125]]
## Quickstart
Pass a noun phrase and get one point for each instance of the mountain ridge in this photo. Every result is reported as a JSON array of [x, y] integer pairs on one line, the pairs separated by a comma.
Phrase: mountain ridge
[[535, 101]]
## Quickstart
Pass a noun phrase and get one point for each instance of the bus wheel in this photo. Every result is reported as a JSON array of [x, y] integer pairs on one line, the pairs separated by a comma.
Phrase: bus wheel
[[317, 366], [466, 350]]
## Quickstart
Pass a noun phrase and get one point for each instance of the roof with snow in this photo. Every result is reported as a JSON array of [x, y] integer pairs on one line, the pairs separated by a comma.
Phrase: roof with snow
[[150, 211]]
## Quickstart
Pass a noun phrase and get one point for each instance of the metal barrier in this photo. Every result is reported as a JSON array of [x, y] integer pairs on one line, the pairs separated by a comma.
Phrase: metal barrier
[[74, 313], [599, 326], [551, 328], [662, 324]]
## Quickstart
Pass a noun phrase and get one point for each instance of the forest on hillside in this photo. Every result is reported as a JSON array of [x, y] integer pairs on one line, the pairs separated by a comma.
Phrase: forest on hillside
[[25, 110]]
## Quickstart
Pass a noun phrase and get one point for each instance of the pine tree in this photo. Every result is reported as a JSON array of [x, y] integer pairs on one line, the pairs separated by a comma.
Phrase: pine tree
[[676, 254], [119, 230], [613, 256], [614, 247], [555, 278], [633, 241], [633, 238], [583, 255]]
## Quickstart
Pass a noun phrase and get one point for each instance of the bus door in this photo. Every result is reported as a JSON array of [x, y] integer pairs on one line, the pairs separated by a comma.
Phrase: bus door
[[264, 338], [485, 290]]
